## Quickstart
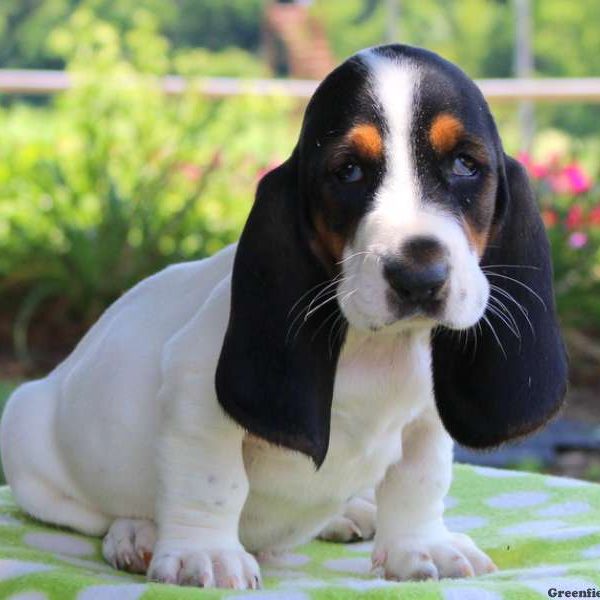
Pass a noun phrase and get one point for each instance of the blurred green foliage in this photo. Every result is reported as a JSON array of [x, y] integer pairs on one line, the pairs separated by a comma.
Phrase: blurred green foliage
[[115, 180], [6, 387], [112, 180], [476, 34], [479, 35], [212, 24]]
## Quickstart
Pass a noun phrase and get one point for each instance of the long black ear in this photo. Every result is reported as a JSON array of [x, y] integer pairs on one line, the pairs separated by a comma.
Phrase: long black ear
[[276, 369], [507, 383]]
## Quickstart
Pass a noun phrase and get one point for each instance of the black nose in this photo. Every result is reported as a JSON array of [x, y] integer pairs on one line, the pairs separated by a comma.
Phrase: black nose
[[419, 274], [417, 284]]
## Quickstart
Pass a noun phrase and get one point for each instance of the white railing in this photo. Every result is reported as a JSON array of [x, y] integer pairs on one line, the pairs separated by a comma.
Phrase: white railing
[[552, 90]]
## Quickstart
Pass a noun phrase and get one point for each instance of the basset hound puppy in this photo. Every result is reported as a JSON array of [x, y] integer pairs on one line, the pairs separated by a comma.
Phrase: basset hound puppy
[[391, 290]]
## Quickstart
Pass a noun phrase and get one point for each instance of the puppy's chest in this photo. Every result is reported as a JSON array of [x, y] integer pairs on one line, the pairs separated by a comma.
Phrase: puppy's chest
[[380, 386], [378, 390]]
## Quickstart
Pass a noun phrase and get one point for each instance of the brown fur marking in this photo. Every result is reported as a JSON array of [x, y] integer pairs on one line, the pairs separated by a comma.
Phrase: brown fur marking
[[331, 242], [445, 132], [366, 140], [477, 239]]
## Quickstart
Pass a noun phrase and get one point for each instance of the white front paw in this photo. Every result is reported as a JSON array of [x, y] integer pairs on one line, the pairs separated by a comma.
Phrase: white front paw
[[417, 558], [224, 568]]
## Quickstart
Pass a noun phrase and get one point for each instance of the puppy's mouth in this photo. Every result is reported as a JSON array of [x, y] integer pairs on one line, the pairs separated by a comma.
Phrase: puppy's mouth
[[399, 299], [396, 317]]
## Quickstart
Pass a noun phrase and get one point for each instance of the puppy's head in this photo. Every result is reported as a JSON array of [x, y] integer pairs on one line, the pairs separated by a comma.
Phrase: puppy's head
[[397, 209], [400, 161]]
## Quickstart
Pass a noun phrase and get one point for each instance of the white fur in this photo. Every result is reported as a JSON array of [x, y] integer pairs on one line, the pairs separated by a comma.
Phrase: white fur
[[129, 426]]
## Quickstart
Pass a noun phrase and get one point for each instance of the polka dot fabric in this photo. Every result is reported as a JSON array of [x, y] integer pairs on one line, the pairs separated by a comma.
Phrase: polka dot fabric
[[542, 532]]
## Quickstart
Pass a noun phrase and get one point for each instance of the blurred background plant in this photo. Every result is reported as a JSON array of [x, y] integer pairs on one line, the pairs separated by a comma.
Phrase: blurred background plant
[[112, 179], [570, 204], [569, 199]]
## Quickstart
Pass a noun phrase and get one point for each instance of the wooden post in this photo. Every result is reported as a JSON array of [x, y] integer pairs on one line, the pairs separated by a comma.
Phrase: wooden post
[[393, 12], [523, 66]]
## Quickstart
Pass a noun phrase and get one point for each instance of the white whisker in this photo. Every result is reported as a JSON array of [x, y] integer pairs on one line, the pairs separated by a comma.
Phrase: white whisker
[[503, 319], [509, 296], [325, 290], [503, 308], [495, 335], [312, 311], [328, 318], [533, 292], [331, 337], [510, 267], [353, 256], [327, 282]]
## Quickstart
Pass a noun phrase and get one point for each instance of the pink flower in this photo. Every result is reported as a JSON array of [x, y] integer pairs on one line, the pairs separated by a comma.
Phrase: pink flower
[[571, 179], [538, 171], [578, 181], [578, 239], [574, 217]]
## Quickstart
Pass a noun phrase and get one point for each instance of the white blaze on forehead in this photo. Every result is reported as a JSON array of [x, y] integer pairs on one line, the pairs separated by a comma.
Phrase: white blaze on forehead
[[394, 86], [399, 212]]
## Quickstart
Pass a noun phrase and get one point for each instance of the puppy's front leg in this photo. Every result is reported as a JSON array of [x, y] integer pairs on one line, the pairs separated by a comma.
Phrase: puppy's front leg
[[411, 540], [203, 487]]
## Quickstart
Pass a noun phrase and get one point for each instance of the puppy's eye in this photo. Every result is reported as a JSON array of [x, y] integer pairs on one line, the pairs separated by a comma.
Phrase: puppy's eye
[[350, 173], [464, 166]]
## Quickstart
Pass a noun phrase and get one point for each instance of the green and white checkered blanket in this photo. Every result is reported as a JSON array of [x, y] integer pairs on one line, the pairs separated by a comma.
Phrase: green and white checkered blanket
[[543, 533]]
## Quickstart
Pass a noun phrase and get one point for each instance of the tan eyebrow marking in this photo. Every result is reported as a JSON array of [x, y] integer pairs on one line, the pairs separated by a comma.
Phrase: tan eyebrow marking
[[445, 132], [366, 139]]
